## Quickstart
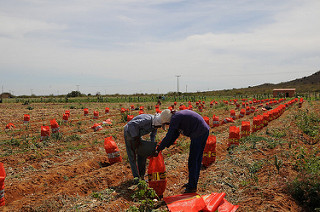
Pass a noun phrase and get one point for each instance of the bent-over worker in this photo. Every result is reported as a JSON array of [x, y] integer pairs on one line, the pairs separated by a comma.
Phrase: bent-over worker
[[137, 149], [190, 124]]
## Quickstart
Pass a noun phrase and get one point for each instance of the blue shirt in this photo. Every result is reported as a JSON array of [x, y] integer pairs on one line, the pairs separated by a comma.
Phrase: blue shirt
[[141, 125], [187, 122]]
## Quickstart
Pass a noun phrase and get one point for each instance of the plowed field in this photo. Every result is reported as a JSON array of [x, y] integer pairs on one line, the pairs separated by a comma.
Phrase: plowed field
[[72, 172]]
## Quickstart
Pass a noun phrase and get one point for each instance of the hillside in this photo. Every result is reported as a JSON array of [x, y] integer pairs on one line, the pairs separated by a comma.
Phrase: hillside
[[303, 85]]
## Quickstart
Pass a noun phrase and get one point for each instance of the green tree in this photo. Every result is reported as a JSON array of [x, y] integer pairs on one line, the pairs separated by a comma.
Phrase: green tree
[[74, 94]]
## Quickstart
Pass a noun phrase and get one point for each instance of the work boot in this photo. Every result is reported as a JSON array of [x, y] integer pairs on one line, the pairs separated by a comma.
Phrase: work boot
[[190, 190]]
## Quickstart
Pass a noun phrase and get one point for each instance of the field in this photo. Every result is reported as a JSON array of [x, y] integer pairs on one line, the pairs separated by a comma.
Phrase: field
[[70, 171]]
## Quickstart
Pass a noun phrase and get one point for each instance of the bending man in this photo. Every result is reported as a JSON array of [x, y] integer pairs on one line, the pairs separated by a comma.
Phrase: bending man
[[137, 149], [190, 124]]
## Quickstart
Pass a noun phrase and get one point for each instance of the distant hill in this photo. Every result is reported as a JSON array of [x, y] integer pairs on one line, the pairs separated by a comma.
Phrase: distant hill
[[302, 85]]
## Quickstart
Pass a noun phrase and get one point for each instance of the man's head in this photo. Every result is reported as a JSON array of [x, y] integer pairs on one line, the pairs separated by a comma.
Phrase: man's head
[[165, 117]]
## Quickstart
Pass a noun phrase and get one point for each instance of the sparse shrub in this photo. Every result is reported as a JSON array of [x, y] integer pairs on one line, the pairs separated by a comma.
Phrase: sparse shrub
[[305, 188], [124, 116], [14, 142], [252, 139], [79, 129], [56, 136], [104, 195], [244, 183], [60, 122], [271, 143], [308, 122], [276, 132], [25, 145], [75, 147], [73, 137], [253, 169], [146, 197], [278, 163]]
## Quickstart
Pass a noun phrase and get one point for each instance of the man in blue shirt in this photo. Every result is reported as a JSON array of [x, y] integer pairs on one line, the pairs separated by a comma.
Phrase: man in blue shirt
[[139, 126], [190, 124]]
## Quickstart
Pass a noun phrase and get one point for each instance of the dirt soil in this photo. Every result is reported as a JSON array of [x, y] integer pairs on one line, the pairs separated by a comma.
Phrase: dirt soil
[[72, 173]]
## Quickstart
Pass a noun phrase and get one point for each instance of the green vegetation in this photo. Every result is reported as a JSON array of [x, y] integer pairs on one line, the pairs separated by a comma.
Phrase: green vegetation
[[308, 122], [278, 163], [57, 136], [305, 188], [105, 195], [276, 132], [124, 116], [254, 169], [73, 137], [145, 196], [252, 140]]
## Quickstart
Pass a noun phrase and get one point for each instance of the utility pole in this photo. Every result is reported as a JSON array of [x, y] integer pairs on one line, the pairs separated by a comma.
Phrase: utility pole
[[178, 82]]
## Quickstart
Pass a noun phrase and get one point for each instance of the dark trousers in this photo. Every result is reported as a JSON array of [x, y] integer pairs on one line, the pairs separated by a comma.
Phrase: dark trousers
[[195, 159], [137, 162]]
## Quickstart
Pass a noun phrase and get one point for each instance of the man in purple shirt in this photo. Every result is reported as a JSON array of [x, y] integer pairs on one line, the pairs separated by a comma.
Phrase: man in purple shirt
[[190, 124]]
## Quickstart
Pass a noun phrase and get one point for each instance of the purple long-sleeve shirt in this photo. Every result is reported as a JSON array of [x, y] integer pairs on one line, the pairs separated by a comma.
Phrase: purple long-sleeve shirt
[[187, 122]]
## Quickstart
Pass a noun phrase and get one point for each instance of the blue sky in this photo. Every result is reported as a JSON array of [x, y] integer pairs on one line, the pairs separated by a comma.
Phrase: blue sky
[[139, 46]]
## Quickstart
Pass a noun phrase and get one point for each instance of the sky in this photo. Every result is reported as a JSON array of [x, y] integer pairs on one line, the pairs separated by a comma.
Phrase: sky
[[155, 46]]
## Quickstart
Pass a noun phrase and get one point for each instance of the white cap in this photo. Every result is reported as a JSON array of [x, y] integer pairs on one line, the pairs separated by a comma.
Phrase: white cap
[[165, 116], [157, 120]]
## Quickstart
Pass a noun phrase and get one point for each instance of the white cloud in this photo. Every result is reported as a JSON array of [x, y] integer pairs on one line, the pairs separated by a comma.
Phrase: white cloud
[[135, 56], [17, 27]]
